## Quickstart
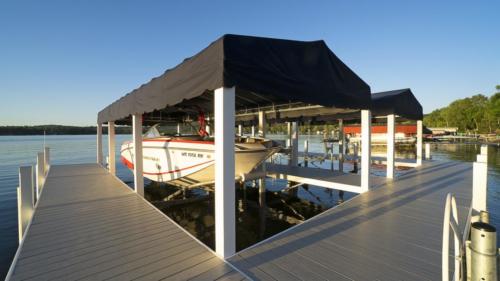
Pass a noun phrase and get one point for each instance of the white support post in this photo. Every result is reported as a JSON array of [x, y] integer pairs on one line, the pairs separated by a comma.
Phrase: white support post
[[253, 131], [306, 152], [427, 151], [341, 145], [225, 217], [480, 184], [294, 156], [25, 200], [179, 129], [207, 127], [484, 149], [40, 176], [419, 142], [99, 143], [46, 160], [262, 124], [391, 124], [138, 166], [240, 130], [289, 134], [366, 124], [111, 148]]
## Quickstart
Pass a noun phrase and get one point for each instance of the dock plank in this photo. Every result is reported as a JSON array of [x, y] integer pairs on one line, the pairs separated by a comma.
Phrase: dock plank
[[393, 232], [89, 225]]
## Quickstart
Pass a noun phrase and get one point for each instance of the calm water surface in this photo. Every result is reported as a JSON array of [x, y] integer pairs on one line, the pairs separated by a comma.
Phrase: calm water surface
[[258, 216]]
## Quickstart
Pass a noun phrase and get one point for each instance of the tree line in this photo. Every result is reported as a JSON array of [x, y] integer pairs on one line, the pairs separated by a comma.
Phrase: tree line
[[476, 114]]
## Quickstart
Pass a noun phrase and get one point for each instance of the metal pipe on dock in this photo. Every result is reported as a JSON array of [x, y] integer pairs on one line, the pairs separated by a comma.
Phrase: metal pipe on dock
[[484, 252]]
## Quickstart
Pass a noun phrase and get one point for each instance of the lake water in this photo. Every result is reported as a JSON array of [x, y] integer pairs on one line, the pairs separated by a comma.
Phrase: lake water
[[258, 217]]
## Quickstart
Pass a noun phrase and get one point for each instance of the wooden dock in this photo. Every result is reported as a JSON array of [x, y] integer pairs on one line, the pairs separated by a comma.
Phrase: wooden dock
[[88, 225], [393, 232]]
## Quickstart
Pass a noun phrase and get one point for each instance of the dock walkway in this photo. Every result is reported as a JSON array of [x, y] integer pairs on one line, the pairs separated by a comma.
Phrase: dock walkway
[[88, 225], [393, 232]]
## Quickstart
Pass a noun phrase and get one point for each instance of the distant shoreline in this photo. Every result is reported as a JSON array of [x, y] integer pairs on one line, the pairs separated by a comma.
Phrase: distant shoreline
[[56, 130]]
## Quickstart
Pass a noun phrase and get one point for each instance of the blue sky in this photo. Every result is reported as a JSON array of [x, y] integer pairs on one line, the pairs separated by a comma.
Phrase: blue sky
[[63, 61]]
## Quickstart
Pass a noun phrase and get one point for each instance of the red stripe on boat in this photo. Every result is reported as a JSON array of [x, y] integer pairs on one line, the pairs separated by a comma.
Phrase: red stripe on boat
[[181, 141], [130, 165]]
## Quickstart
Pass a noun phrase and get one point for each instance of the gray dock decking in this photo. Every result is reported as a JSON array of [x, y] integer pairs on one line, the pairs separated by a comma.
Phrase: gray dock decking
[[88, 225], [393, 232]]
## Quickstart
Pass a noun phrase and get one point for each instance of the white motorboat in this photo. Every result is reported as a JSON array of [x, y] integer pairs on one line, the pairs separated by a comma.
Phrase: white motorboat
[[189, 160]]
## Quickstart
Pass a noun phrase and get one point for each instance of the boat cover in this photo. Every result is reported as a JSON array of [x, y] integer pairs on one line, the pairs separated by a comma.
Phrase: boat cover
[[276, 70]]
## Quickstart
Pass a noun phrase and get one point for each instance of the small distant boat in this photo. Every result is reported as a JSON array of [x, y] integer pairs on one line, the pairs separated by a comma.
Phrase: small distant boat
[[189, 160]]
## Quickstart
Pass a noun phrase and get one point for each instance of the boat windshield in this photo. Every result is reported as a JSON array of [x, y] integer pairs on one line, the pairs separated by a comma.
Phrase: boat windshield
[[152, 133]]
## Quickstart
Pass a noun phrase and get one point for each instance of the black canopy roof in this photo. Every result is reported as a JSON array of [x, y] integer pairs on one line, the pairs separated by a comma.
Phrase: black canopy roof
[[400, 102], [264, 71]]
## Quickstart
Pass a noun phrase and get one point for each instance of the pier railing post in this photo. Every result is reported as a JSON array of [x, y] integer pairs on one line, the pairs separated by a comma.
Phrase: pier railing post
[[111, 148], [25, 200], [46, 159], [225, 217], [253, 131], [99, 143], [366, 121], [240, 130], [138, 164], [419, 142], [427, 151], [391, 124], [480, 183], [40, 174]]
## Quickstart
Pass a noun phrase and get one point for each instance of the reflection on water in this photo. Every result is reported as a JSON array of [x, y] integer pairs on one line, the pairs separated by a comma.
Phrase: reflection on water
[[258, 215]]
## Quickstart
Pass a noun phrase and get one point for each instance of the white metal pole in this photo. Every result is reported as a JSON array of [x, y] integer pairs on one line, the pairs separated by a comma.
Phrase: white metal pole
[[25, 198], [289, 134], [178, 129], [46, 159], [341, 145], [253, 131], [138, 165], [306, 152], [99, 143], [262, 124], [294, 157], [40, 176], [427, 151], [366, 124], [480, 184], [391, 124], [419, 142], [240, 130], [225, 217], [111, 148]]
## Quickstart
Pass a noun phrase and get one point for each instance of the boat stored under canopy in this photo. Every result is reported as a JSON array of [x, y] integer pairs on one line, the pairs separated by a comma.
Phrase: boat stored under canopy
[[264, 71]]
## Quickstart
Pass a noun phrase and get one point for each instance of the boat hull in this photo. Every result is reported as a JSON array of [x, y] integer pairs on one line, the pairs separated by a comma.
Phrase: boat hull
[[190, 162]]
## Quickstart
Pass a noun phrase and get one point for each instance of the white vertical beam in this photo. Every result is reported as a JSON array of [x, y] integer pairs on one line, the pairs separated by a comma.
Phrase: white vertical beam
[[427, 151], [262, 124], [179, 129], [25, 199], [225, 217], [138, 165], [479, 186], [99, 143], [484, 149], [240, 130], [366, 124], [289, 133], [111, 148], [419, 142], [253, 131], [46, 159], [341, 145], [306, 153], [40, 176], [391, 124], [294, 157]]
